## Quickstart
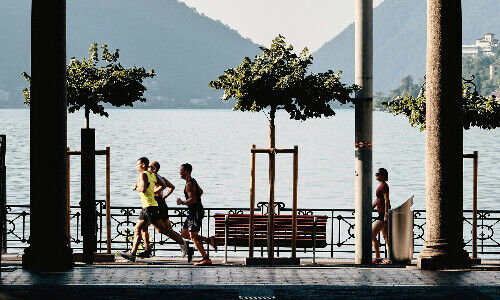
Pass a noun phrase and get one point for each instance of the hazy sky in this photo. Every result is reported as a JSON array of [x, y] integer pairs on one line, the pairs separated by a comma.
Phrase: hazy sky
[[304, 23]]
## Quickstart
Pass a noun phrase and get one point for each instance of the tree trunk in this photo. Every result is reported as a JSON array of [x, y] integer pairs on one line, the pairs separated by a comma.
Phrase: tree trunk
[[87, 117]]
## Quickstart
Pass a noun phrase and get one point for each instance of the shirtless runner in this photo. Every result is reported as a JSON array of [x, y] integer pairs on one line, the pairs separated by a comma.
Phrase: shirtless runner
[[196, 213]]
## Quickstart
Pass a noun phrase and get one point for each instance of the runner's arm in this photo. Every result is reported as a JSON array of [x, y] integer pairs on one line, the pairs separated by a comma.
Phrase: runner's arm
[[160, 185], [170, 186], [142, 183], [191, 192]]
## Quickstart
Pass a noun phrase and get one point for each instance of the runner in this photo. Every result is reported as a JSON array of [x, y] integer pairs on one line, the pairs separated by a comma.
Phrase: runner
[[192, 225], [161, 184], [149, 214]]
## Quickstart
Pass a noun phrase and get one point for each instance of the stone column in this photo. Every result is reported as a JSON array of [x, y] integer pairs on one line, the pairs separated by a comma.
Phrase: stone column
[[363, 130], [48, 239], [444, 246]]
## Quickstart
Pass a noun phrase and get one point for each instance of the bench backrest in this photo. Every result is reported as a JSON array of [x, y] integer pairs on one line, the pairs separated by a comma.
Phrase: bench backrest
[[238, 230]]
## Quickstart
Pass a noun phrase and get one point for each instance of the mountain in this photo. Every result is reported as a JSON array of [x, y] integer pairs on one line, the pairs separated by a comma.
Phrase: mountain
[[399, 40], [186, 49]]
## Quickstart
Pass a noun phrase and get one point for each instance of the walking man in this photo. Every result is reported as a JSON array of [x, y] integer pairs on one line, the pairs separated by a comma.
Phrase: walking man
[[149, 214], [191, 228]]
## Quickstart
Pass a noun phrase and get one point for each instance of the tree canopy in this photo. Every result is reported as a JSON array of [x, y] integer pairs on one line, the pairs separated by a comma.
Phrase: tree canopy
[[478, 111], [90, 85], [278, 79]]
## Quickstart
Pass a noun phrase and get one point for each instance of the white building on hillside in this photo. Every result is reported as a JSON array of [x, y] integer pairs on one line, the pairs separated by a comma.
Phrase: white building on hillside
[[484, 46]]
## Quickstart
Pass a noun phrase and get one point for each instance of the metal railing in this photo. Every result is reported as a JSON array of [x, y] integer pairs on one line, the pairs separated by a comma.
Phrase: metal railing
[[340, 230]]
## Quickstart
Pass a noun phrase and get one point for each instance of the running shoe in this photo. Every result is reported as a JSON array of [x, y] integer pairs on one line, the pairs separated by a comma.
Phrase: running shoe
[[184, 249], [190, 254], [211, 241], [128, 255], [145, 254], [204, 262]]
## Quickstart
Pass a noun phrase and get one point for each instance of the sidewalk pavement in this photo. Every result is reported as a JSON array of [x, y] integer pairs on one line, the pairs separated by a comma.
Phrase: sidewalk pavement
[[162, 278]]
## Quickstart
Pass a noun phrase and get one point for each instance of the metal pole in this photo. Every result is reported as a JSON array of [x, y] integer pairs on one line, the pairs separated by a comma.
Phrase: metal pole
[[294, 209], [108, 200], [226, 232], [474, 205], [315, 222], [363, 130], [251, 230]]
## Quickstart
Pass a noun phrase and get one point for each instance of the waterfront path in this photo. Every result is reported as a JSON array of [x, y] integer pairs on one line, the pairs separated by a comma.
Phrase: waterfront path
[[170, 278]]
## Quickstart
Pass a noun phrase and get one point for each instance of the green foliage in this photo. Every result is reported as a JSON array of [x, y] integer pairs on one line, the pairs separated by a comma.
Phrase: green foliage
[[90, 85], [406, 87], [479, 67], [478, 111], [278, 79]]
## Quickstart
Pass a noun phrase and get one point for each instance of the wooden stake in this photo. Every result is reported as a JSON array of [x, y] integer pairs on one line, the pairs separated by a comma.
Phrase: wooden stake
[[252, 205], [68, 199], [108, 200], [270, 208], [474, 205], [294, 209]]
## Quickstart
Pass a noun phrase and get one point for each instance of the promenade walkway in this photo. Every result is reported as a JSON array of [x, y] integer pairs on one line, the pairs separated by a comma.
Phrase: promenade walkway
[[172, 278]]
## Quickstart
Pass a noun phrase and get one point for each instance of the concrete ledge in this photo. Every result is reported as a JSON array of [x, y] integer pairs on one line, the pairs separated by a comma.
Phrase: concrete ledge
[[98, 257], [443, 262], [277, 261]]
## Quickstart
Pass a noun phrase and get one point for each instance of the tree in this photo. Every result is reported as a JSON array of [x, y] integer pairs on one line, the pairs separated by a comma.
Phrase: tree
[[478, 111], [90, 85], [277, 80]]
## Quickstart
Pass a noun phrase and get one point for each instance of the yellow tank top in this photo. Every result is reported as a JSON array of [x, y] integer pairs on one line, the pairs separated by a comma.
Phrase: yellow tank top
[[148, 197]]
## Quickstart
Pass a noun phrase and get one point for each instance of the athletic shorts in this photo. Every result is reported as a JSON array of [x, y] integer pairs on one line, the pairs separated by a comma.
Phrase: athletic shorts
[[150, 214], [162, 207], [193, 221], [380, 217]]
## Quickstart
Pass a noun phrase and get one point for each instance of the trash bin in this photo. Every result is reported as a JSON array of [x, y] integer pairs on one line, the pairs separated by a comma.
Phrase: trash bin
[[400, 248]]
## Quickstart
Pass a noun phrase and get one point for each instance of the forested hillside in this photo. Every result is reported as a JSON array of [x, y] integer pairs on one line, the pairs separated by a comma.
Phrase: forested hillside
[[185, 49], [399, 40]]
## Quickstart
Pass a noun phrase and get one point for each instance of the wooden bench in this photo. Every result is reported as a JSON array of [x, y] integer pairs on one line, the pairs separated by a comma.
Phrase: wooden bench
[[238, 230]]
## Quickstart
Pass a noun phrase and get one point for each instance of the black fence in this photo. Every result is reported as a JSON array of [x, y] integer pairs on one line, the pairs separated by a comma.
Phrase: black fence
[[340, 230]]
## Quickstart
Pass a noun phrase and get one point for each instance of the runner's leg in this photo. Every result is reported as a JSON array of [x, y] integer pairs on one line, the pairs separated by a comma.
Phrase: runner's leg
[[168, 231], [137, 235], [198, 243]]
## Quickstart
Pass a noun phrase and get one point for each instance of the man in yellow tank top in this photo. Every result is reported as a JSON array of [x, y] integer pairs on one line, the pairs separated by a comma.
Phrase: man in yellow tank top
[[149, 214]]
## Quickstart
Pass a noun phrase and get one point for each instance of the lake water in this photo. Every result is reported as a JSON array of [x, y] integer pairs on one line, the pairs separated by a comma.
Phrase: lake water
[[217, 143]]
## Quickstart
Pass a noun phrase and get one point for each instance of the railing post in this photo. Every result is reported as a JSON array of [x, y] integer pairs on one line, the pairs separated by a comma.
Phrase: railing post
[[315, 220], [474, 205], [108, 200], [226, 231], [3, 195]]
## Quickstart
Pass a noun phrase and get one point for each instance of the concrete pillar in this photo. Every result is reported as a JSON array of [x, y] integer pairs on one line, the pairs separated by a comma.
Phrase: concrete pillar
[[48, 239], [363, 130], [444, 246]]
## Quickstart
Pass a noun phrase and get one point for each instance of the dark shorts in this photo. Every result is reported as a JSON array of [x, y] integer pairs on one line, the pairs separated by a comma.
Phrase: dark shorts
[[150, 214], [193, 221], [380, 217], [162, 207]]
